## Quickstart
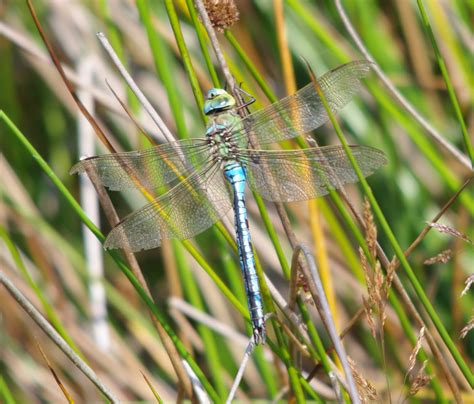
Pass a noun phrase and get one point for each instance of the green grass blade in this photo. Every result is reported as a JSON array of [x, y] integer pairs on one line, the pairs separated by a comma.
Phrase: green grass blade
[[47, 307], [447, 80], [399, 252], [163, 65], [127, 272]]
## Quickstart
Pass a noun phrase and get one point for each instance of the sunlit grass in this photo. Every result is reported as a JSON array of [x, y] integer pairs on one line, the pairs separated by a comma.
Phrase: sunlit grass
[[167, 51]]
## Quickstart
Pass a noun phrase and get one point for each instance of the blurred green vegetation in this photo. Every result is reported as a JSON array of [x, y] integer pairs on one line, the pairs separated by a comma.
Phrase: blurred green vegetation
[[419, 179]]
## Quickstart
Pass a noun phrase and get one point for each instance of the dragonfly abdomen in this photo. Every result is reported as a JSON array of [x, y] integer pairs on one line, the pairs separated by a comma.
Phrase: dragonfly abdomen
[[236, 175]]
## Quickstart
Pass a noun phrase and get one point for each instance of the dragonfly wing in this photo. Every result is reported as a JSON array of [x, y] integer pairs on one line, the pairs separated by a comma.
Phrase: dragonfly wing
[[298, 175], [151, 168], [304, 111], [186, 210]]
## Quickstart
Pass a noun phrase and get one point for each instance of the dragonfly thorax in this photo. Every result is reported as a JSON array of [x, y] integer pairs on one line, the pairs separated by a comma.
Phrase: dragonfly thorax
[[223, 147], [220, 133]]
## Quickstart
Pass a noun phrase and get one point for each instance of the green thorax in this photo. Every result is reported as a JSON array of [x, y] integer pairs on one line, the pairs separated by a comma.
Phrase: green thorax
[[223, 121]]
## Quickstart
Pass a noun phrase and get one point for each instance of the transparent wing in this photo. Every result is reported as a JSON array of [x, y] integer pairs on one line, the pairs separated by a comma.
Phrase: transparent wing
[[303, 111], [298, 175], [189, 208], [153, 167]]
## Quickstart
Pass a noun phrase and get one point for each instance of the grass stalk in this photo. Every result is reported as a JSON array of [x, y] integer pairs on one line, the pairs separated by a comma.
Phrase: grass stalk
[[398, 251], [447, 81], [200, 32], [210, 342], [114, 34], [163, 66], [47, 307], [128, 273], [55, 337], [186, 57]]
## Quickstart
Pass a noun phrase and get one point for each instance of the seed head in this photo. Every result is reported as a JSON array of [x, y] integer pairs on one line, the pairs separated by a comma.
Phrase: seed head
[[222, 13]]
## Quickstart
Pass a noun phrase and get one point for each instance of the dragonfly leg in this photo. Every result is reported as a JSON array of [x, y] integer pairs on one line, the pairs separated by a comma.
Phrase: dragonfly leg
[[250, 101]]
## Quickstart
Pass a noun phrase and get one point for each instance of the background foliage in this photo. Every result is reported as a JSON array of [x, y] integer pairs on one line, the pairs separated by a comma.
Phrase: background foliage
[[196, 286]]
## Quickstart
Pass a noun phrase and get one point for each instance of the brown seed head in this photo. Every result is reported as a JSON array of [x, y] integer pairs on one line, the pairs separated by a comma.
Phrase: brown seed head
[[442, 228], [468, 282], [370, 317], [416, 349], [222, 13], [443, 257], [469, 326], [370, 229], [419, 381], [366, 390]]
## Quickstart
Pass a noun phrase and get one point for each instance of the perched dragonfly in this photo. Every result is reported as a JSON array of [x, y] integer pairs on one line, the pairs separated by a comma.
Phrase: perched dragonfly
[[206, 177]]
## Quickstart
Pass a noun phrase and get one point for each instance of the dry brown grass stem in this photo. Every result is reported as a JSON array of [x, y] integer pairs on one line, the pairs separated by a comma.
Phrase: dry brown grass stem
[[427, 228], [56, 377], [113, 219], [430, 130], [355, 318], [203, 15], [284, 50], [295, 341], [110, 211], [54, 336], [313, 279], [410, 307]]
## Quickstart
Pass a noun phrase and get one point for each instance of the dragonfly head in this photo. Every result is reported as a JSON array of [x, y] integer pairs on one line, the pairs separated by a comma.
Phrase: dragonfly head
[[218, 100]]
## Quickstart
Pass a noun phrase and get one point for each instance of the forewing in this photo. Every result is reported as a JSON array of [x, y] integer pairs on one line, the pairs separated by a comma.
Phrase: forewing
[[304, 111], [188, 209], [152, 168], [298, 175]]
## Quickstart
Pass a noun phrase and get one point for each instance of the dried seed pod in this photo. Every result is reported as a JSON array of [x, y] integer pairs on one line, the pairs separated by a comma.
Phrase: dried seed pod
[[222, 13], [443, 257]]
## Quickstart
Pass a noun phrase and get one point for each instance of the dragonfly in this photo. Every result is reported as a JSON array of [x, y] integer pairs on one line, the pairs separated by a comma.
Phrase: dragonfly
[[205, 178]]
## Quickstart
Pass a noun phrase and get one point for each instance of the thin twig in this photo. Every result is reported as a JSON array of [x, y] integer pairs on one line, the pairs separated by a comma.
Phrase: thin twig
[[201, 394], [207, 320], [284, 306], [32, 51], [54, 336], [136, 90], [113, 219], [172, 351], [240, 373], [317, 291], [355, 318], [217, 49], [397, 95], [428, 227], [97, 129]]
